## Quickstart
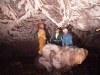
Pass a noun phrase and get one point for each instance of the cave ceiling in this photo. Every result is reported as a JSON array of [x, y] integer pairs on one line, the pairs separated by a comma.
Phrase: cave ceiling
[[81, 14]]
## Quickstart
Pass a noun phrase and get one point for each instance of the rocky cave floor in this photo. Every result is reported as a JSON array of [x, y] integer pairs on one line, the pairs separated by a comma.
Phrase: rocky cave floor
[[15, 63]]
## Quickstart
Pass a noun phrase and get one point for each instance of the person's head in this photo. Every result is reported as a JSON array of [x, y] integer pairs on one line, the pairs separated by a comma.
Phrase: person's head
[[65, 31], [41, 25], [57, 30]]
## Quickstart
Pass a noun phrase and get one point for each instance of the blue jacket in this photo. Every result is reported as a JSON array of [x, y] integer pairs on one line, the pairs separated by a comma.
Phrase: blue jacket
[[67, 40]]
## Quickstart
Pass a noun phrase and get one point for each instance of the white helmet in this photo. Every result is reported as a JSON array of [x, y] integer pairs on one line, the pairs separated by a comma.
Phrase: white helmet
[[65, 30]]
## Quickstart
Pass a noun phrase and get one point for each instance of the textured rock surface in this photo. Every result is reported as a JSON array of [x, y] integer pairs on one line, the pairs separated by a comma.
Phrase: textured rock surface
[[18, 32], [19, 18], [61, 57], [10, 30], [81, 14]]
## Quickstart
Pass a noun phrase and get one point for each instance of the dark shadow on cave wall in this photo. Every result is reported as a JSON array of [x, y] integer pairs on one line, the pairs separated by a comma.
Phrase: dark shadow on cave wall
[[86, 39]]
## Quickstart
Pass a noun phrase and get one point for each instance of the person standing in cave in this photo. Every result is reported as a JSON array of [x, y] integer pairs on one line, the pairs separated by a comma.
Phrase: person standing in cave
[[56, 38], [67, 38], [41, 38]]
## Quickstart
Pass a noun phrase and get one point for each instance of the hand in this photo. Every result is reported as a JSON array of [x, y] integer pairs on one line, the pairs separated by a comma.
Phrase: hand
[[57, 40]]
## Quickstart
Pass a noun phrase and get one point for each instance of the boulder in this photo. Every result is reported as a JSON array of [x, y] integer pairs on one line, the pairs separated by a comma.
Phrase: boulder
[[60, 57]]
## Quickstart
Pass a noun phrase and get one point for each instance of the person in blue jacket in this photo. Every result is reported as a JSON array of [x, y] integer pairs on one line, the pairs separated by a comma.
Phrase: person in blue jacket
[[67, 38]]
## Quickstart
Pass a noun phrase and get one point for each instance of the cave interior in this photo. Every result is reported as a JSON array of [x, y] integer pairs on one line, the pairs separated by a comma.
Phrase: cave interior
[[18, 33]]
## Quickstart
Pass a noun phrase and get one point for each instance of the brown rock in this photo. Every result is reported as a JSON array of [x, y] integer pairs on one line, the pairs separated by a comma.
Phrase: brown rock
[[59, 57]]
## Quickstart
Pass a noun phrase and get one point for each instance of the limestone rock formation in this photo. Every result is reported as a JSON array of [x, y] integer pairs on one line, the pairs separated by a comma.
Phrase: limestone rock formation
[[19, 19], [62, 57], [81, 14]]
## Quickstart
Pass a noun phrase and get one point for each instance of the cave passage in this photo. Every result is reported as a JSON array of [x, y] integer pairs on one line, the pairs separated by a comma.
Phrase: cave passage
[[20, 57], [18, 33]]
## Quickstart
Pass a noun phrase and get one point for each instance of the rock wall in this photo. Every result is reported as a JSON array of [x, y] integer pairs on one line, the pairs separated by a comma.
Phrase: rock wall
[[62, 57], [19, 19], [81, 14], [85, 39], [22, 36], [28, 28]]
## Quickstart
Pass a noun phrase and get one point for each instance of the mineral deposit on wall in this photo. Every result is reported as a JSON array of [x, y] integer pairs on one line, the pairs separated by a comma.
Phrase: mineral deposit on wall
[[81, 14]]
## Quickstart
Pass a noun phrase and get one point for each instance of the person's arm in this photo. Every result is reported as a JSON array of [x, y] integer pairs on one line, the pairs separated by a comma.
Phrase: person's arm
[[62, 41], [70, 40], [51, 38], [44, 34], [41, 33], [61, 37]]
